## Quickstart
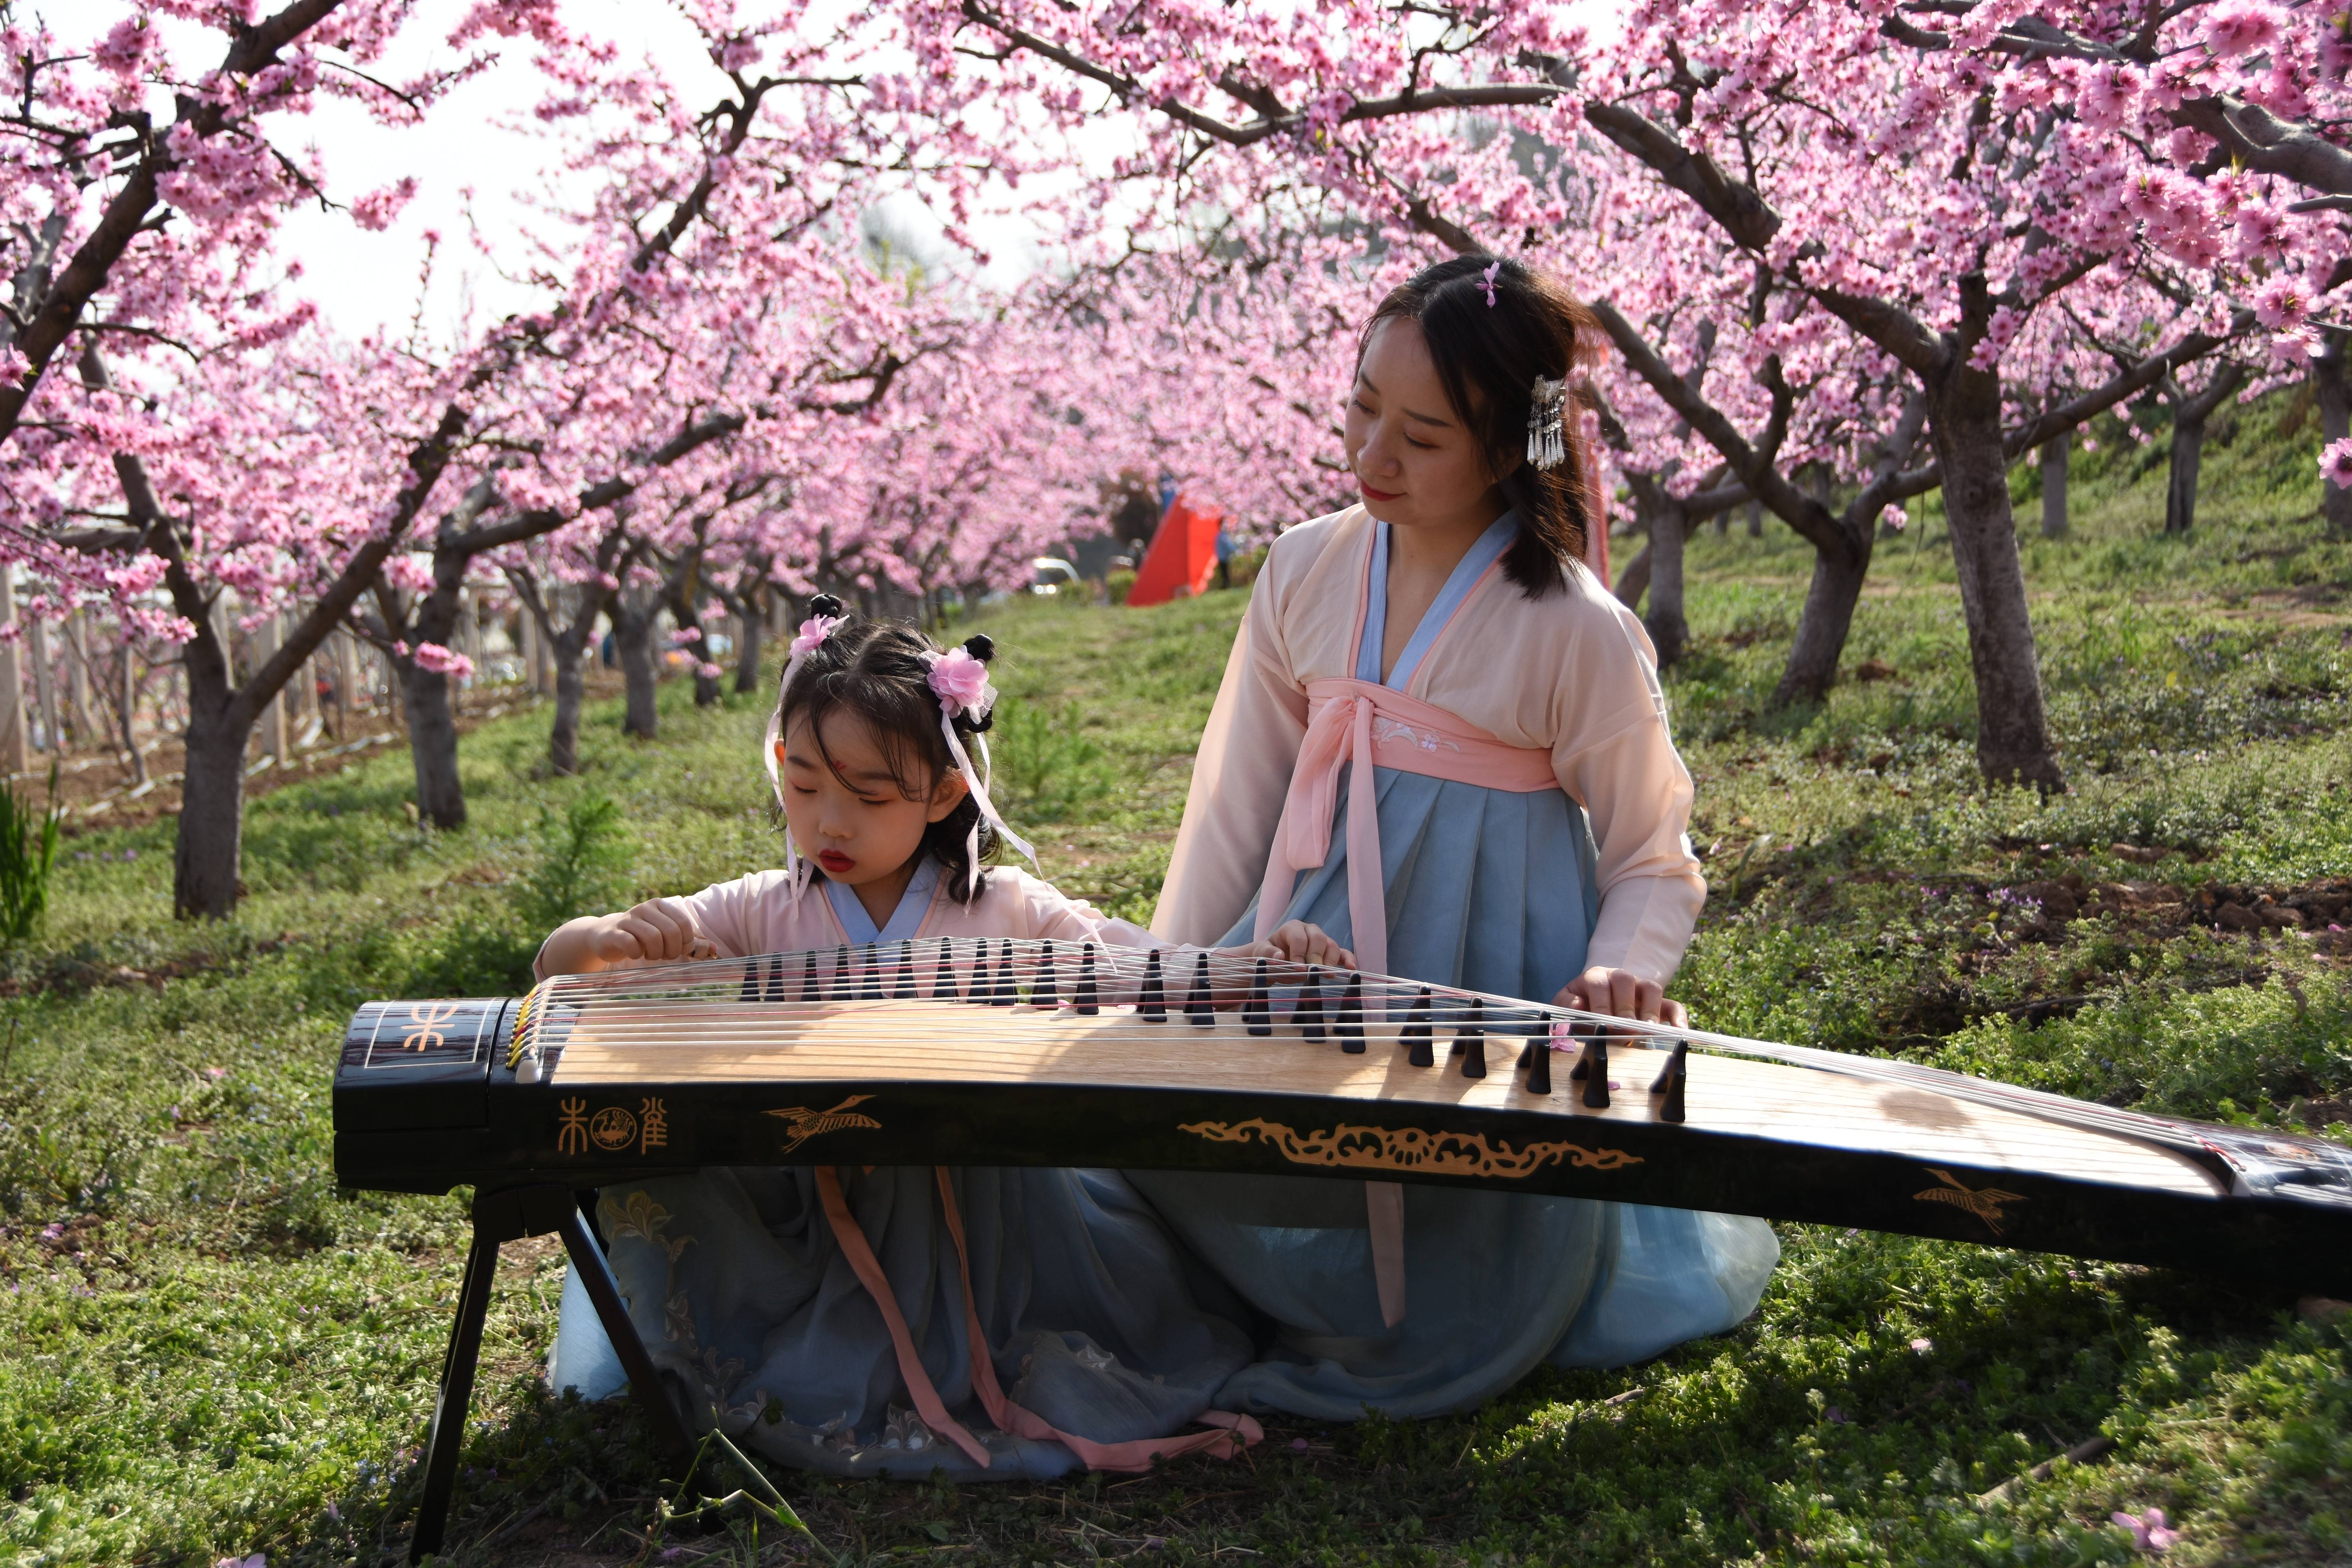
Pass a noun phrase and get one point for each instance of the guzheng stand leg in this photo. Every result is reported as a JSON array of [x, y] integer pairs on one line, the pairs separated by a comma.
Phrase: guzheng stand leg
[[510, 1216], [457, 1394]]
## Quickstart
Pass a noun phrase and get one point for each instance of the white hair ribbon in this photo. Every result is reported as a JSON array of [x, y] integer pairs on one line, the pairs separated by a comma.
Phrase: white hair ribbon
[[962, 686]]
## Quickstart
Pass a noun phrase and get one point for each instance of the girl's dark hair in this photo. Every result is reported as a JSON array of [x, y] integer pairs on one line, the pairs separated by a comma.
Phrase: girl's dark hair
[[1488, 359], [876, 670]]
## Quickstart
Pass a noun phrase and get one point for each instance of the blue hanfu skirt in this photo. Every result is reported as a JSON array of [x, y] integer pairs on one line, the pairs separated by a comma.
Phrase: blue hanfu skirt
[[1491, 889], [741, 1290]]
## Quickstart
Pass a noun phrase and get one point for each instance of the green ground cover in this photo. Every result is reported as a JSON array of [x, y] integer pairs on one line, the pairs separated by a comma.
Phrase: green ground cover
[[210, 1353]]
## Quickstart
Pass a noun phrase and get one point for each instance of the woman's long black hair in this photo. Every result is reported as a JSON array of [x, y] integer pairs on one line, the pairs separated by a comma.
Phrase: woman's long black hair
[[1487, 358], [876, 670]]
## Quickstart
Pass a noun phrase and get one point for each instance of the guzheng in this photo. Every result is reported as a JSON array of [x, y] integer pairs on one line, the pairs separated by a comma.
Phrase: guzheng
[[1024, 1053]]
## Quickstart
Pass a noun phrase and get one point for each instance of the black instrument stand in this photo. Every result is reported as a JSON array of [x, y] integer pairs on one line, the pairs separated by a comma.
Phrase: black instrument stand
[[510, 1214]]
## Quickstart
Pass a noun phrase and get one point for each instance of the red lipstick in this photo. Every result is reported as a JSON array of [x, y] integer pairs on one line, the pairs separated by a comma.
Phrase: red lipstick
[[1371, 494], [835, 861]]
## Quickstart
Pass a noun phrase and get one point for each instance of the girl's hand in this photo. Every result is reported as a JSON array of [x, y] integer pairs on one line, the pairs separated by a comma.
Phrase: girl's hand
[[658, 931], [1622, 993], [1302, 943]]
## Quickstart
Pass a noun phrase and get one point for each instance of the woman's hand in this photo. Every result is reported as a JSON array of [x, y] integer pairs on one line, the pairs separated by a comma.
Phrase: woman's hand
[[1299, 942], [658, 931], [1622, 993]]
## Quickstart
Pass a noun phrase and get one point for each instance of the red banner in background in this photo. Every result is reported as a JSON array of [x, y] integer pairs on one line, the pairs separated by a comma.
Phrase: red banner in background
[[1182, 557]]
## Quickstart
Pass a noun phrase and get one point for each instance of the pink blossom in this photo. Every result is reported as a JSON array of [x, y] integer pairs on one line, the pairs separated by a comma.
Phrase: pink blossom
[[2148, 1531], [708, 672], [439, 660], [125, 49], [409, 572], [681, 635], [2109, 91], [376, 210], [141, 576], [1895, 518], [2283, 301], [960, 680], [2242, 26], [1921, 1347], [2335, 463]]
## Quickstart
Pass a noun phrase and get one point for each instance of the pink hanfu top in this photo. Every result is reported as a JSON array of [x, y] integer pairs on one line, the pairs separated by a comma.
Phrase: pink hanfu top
[[1569, 680]]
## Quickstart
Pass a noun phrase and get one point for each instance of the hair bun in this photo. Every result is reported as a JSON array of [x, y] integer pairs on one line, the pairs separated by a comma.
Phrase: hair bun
[[824, 604], [981, 646]]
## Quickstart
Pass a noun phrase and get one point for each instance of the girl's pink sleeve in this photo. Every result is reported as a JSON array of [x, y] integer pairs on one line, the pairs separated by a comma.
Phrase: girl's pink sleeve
[[725, 912], [1239, 777], [1049, 914]]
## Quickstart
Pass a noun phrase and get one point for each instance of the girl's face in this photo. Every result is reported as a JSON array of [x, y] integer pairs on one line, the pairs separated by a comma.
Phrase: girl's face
[[854, 817], [1414, 461]]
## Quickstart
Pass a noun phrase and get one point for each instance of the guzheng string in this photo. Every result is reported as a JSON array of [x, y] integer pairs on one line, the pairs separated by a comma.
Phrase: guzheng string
[[1153, 995]]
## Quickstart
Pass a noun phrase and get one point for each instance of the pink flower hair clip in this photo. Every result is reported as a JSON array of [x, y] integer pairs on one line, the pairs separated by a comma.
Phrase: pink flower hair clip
[[1486, 280], [959, 678]]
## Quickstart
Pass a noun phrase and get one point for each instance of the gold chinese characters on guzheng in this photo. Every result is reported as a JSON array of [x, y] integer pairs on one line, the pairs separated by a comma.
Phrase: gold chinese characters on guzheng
[[1001, 1053]]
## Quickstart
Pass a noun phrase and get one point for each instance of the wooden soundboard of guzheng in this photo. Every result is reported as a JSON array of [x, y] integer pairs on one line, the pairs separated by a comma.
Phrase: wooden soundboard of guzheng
[[935, 1053]]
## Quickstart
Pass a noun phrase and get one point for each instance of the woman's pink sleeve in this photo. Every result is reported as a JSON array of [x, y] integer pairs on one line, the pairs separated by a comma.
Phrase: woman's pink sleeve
[[1617, 759], [1239, 779]]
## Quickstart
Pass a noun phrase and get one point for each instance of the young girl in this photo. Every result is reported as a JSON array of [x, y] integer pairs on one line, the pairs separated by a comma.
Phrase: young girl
[[1441, 738], [820, 1314]]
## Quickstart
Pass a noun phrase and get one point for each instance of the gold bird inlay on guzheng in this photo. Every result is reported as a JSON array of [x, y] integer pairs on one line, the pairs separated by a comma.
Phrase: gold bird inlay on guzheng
[[1009, 1053]]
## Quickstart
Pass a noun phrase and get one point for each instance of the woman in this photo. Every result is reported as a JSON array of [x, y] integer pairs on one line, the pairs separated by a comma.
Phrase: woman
[[1526, 837]]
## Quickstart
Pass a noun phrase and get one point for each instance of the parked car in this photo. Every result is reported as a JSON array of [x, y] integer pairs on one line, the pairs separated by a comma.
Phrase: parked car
[[1050, 574]]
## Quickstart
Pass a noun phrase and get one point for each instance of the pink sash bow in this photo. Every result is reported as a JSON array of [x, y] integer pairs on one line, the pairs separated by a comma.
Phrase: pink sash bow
[[1373, 726]]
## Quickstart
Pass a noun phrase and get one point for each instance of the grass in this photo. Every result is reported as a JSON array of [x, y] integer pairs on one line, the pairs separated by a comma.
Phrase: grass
[[211, 1352]]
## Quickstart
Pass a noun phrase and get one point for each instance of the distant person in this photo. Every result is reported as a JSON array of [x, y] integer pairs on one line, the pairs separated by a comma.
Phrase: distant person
[[1227, 548]]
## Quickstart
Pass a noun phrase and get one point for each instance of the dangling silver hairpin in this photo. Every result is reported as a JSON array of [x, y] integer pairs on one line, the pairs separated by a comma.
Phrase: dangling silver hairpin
[[1547, 423]]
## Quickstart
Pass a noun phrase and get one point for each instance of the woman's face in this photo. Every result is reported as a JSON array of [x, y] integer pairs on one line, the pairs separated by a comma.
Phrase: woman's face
[[854, 818], [1412, 457]]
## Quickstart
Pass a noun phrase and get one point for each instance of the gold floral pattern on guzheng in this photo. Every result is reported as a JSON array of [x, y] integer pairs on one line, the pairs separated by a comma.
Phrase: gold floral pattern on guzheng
[[1409, 1149], [1982, 1202]]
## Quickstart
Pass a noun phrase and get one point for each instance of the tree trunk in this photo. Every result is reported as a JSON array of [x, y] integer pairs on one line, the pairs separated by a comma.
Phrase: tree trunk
[[432, 745], [130, 691], [273, 712], [212, 813], [2053, 485], [633, 638], [14, 726], [1669, 632], [2190, 416], [571, 684], [1635, 582], [1822, 626], [2180, 486], [78, 678], [45, 697], [1755, 520], [748, 626], [204, 855], [2012, 731], [2328, 377]]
